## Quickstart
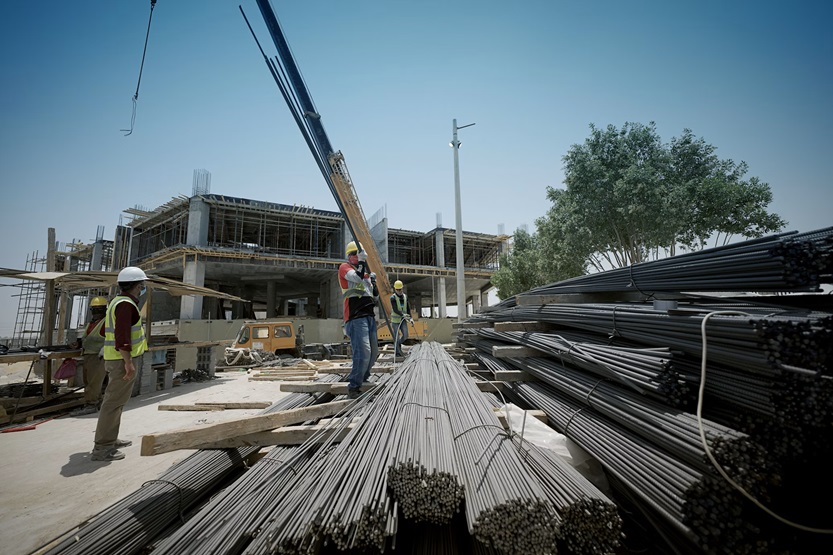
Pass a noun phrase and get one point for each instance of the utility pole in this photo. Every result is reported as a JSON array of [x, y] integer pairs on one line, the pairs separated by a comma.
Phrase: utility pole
[[461, 279]]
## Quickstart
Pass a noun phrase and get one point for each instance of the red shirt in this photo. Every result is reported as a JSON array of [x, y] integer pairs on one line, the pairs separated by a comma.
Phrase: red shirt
[[92, 324]]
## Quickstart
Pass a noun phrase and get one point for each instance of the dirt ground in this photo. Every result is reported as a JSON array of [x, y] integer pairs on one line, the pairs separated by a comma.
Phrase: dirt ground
[[49, 483]]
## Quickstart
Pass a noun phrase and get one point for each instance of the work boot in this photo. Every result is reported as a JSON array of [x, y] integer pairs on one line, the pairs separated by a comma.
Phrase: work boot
[[353, 393], [122, 443], [86, 409], [106, 455]]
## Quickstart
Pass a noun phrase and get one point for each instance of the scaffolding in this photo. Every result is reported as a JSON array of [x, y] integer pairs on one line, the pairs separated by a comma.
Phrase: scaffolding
[[28, 323]]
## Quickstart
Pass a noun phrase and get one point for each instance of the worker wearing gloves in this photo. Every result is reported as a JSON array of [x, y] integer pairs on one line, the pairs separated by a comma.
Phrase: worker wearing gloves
[[359, 316], [400, 316], [124, 345], [92, 344]]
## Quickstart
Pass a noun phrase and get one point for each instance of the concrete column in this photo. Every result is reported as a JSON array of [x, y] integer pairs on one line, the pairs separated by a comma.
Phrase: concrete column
[[271, 309], [311, 306], [238, 309], [284, 307], [439, 246], [475, 304], [194, 271], [325, 296], [300, 307], [95, 259], [484, 299], [190, 307]]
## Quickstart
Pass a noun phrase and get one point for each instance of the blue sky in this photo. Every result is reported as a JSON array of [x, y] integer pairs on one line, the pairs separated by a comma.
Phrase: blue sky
[[754, 78]]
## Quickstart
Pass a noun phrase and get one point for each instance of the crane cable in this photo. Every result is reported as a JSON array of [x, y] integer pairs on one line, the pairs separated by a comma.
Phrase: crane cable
[[141, 67]]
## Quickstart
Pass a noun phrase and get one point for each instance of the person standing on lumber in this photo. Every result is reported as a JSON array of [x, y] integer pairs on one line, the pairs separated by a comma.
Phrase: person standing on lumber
[[400, 315], [92, 344], [124, 345], [354, 277]]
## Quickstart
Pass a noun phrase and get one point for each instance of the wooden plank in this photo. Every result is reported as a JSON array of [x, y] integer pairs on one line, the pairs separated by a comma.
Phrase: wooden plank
[[346, 369], [288, 435], [515, 351], [473, 366], [257, 378], [247, 405], [524, 326], [189, 407], [513, 376], [470, 325], [188, 438], [517, 422], [308, 364], [22, 416], [337, 388], [489, 387]]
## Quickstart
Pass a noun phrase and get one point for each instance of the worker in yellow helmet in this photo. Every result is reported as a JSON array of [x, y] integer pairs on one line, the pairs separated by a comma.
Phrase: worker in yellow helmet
[[92, 343], [400, 316], [124, 345], [357, 290]]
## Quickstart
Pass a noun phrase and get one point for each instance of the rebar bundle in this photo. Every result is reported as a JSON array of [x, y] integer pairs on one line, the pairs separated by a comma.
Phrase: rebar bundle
[[782, 262], [704, 510], [647, 371], [763, 349]]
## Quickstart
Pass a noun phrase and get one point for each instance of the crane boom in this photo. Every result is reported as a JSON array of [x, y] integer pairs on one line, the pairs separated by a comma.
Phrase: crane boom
[[332, 165]]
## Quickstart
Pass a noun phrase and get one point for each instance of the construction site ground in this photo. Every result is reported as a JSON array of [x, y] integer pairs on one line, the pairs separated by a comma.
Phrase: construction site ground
[[50, 485]]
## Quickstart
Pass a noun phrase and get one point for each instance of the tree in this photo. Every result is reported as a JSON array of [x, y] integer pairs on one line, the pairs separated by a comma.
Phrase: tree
[[631, 198], [519, 268]]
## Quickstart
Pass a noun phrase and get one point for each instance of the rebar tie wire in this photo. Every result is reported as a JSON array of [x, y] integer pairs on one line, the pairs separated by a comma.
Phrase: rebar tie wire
[[141, 67], [703, 434], [178, 489], [633, 282]]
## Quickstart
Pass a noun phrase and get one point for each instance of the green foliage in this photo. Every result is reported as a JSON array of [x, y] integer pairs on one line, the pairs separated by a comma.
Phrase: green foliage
[[519, 269], [629, 198]]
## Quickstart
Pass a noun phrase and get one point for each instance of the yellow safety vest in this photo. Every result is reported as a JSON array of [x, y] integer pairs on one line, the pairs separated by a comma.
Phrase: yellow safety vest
[[93, 342], [137, 332], [401, 303]]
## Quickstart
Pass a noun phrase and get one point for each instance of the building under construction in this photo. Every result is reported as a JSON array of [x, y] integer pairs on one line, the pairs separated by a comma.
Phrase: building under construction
[[284, 258]]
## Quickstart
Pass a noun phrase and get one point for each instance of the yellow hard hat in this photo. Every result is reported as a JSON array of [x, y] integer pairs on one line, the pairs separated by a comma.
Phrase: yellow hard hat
[[351, 248], [397, 284], [98, 301]]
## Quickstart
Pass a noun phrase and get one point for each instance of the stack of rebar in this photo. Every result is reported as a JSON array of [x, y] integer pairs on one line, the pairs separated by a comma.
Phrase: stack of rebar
[[783, 262]]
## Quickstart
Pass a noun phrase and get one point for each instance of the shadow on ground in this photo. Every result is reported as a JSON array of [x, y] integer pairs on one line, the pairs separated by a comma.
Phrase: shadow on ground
[[80, 463]]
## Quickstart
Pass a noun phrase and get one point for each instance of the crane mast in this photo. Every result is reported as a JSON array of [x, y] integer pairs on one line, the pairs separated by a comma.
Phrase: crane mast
[[285, 72]]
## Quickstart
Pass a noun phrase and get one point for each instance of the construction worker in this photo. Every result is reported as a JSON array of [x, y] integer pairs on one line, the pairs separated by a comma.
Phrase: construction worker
[[359, 316], [400, 316], [124, 345], [92, 344]]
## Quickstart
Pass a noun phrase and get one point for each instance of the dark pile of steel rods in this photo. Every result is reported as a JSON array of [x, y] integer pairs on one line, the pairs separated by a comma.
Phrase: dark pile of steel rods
[[753, 348], [704, 510], [784, 262], [647, 371], [590, 522], [675, 431], [130, 524]]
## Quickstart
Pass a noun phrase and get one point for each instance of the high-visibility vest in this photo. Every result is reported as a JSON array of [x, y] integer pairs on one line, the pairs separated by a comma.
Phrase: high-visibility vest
[[354, 290], [401, 304], [93, 342], [137, 332]]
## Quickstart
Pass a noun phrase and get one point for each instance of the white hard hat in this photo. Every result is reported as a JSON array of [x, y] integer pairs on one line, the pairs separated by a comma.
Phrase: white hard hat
[[130, 274]]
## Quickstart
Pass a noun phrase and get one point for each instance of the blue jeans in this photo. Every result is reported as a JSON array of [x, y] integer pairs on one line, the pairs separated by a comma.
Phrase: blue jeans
[[401, 331], [365, 346]]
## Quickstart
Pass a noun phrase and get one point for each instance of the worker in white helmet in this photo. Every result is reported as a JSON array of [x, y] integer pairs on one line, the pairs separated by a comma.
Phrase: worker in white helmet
[[357, 290], [124, 345]]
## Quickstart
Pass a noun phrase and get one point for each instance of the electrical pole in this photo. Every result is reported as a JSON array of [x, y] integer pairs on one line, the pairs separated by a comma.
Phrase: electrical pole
[[461, 279]]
